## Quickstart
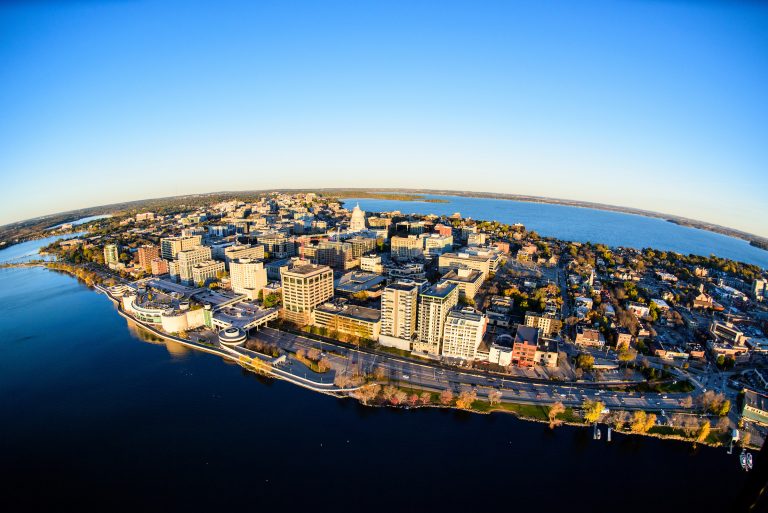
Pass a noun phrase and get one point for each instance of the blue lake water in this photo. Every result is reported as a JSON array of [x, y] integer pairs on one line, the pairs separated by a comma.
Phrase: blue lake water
[[582, 225], [30, 250], [95, 417]]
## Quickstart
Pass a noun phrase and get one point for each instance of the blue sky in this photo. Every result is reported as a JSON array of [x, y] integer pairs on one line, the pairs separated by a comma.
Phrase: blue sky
[[652, 104]]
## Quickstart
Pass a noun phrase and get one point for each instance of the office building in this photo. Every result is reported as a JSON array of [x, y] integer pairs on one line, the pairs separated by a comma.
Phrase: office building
[[352, 320], [450, 261], [185, 260], [241, 251], [405, 248], [468, 281], [304, 287], [206, 272], [171, 246]]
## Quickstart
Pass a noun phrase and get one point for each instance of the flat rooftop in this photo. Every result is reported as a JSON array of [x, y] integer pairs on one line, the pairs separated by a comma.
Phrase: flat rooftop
[[439, 290]]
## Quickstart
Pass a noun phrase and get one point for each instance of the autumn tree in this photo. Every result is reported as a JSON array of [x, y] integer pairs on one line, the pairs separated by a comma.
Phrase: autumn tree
[[366, 393], [466, 399], [585, 361], [425, 398], [686, 402], [555, 410], [642, 422], [592, 410], [494, 397], [446, 397], [619, 419], [703, 432]]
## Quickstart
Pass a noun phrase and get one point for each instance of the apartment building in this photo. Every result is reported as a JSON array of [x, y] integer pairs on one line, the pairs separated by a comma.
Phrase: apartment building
[[463, 332], [434, 305], [399, 306], [247, 276]]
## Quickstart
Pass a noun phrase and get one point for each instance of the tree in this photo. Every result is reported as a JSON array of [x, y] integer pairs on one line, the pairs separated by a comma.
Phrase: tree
[[323, 365], [724, 408], [367, 393], [703, 432], [379, 373], [686, 402], [555, 410], [494, 397], [619, 419], [592, 410], [585, 361], [627, 355], [642, 422], [446, 397], [425, 398], [466, 399]]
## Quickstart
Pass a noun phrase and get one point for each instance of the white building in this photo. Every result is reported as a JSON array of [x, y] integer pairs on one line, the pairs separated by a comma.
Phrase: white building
[[463, 332], [399, 305], [434, 305], [206, 272], [357, 222], [247, 277]]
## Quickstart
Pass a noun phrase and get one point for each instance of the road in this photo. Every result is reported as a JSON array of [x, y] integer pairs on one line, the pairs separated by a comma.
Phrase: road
[[407, 373]]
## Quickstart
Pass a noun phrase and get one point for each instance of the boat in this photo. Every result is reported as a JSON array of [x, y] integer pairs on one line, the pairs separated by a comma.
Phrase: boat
[[609, 434], [746, 460]]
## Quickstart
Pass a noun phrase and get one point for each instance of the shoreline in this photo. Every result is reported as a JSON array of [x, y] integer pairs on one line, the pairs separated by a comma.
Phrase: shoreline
[[275, 373], [751, 238]]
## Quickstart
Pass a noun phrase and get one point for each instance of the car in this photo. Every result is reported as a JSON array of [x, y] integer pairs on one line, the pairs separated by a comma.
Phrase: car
[[406, 376]]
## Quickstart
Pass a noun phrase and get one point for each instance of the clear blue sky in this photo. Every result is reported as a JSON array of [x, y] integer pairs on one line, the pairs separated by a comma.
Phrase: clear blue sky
[[654, 104]]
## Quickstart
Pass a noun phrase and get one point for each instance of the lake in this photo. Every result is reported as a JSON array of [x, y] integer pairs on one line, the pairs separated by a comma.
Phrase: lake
[[96, 416], [581, 224]]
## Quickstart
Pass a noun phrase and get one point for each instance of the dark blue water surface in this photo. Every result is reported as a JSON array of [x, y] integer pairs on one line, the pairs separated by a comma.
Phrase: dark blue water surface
[[582, 225], [95, 417]]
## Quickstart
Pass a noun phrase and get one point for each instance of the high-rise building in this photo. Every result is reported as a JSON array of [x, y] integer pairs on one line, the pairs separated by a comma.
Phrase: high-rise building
[[305, 287], [404, 248], [159, 266], [462, 260], [111, 254], [436, 244], [362, 245], [147, 253], [760, 289], [241, 251], [247, 276], [171, 246], [188, 258], [335, 254], [357, 222], [463, 332], [277, 244], [205, 272], [399, 305], [434, 305]]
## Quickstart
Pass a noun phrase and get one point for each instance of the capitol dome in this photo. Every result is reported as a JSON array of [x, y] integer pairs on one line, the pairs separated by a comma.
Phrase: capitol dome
[[357, 223]]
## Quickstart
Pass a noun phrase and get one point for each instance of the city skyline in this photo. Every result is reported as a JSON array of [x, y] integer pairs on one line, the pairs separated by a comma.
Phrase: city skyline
[[624, 103]]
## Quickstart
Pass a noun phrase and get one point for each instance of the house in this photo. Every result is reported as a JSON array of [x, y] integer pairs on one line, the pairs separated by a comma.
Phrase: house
[[639, 309], [589, 337]]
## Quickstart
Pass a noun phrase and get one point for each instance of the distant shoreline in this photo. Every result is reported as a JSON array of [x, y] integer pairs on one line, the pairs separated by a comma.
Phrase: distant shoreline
[[9, 233], [754, 240]]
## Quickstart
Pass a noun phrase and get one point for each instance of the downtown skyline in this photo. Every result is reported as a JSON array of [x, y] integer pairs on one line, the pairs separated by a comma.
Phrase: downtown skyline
[[652, 105]]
